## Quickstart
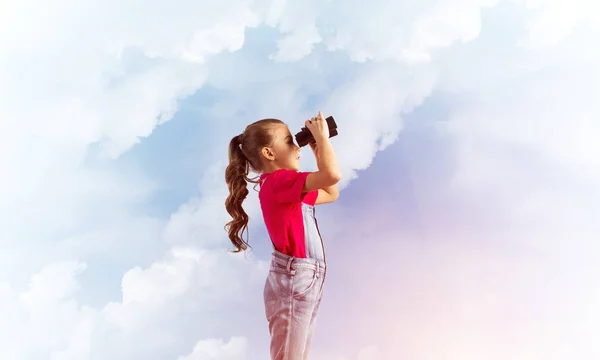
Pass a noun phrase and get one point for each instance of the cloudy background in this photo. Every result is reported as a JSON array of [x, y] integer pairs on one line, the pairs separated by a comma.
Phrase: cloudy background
[[468, 222]]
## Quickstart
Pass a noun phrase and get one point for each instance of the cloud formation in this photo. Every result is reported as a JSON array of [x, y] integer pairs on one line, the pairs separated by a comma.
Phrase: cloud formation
[[87, 271]]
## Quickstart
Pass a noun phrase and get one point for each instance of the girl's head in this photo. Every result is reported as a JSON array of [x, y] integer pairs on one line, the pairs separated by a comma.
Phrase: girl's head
[[264, 146]]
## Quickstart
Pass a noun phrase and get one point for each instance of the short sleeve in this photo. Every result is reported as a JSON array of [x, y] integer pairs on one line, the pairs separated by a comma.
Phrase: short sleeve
[[311, 197], [287, 185]]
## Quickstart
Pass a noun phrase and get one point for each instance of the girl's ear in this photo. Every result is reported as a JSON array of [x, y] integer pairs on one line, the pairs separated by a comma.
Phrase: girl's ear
[[268, 153]]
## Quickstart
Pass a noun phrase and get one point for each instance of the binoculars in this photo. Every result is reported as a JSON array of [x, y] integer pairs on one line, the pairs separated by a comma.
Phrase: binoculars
[[305, 136]]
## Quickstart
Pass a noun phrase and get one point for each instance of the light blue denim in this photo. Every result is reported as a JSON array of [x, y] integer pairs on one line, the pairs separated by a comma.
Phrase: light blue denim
[[292, 295], [312, 237]]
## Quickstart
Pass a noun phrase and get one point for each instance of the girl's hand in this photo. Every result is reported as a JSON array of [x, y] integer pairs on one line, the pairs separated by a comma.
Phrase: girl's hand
[[318, 127]]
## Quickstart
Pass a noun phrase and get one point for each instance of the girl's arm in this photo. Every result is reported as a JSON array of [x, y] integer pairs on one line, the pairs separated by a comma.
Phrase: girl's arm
[[327, 194], [328, 173]]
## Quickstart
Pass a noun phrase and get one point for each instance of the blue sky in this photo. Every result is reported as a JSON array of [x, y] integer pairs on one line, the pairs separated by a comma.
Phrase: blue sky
[[468, 218]]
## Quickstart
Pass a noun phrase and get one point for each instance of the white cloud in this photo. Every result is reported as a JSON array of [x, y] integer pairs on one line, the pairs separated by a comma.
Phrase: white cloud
[[403, 31], [555, 20], [77, 76], [297, 23], [235, 349], [48, 319], [370, 108], [508, 203]]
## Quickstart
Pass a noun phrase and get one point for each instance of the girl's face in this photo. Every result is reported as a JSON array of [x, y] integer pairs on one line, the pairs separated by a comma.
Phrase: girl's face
[[286, 154]]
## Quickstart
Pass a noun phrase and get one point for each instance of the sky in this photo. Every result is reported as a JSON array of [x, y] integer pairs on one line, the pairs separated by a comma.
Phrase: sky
[[468, 218]]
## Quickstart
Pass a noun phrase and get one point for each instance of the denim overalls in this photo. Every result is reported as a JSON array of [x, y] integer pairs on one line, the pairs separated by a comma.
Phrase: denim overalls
[[293, 292]]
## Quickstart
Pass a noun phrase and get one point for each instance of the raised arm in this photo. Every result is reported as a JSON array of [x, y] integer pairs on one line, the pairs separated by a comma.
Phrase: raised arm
[[328, 174]]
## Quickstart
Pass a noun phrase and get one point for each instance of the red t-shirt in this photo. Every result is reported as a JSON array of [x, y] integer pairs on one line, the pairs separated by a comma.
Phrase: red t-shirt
[[289, 214]]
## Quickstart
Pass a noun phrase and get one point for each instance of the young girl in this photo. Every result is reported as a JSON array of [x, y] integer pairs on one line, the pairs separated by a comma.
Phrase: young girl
[[294, 286]]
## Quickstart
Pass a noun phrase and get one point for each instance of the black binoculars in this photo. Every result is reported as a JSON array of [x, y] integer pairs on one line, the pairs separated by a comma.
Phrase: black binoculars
[[305, 136]]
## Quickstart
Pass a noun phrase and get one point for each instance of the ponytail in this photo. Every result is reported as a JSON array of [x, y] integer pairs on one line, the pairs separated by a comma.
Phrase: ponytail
[[244, 156], [236, 177]]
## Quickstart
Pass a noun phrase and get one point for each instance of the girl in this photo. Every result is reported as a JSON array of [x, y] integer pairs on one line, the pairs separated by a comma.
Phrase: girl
[[294, 286]]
